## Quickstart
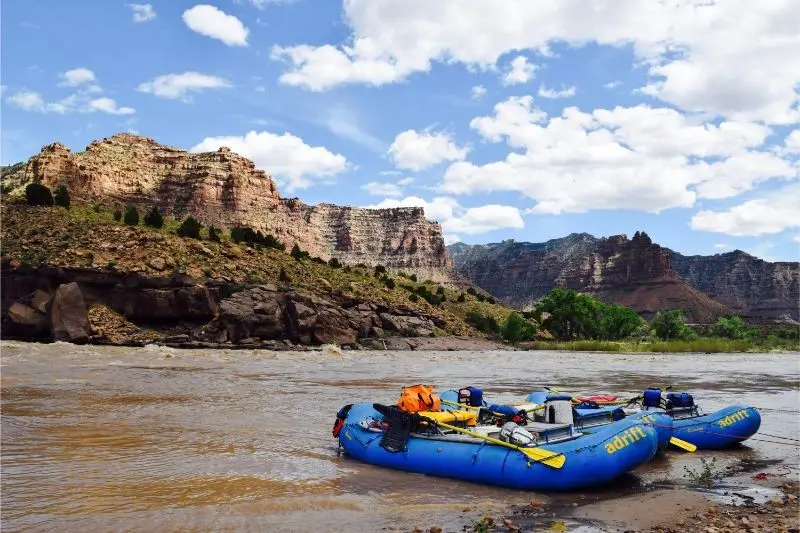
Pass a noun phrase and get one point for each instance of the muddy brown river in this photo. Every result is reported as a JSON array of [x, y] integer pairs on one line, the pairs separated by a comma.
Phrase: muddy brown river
[[156, 439]]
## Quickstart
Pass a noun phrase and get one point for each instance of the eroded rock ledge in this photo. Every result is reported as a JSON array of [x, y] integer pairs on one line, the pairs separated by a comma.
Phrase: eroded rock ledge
[[52, 303]]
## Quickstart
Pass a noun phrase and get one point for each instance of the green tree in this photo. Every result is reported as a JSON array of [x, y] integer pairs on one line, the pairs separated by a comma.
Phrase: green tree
[[190, 228], [213, 234], [153, 218], [117, 215], [619, 322], [729, 328], [62, 196], [38, 194], [568, 315], [516, 329], [461, 298], [131, 217], [670, 325]]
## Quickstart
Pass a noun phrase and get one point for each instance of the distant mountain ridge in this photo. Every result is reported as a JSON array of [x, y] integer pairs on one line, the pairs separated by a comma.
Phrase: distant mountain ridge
[[634, 272]]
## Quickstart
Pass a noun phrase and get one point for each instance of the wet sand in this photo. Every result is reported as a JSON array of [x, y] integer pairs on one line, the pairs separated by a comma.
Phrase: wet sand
[[104, 438]]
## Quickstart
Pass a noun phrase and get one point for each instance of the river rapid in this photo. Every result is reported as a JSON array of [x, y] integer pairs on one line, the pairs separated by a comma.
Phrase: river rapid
[[158, 439]]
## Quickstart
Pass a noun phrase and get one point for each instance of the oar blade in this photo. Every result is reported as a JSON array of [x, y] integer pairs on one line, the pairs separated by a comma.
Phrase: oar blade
[[555, 460], [688, 446]]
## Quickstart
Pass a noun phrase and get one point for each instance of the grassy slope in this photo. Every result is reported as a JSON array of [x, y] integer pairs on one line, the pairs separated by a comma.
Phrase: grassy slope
[[702, 345], [81, 237]]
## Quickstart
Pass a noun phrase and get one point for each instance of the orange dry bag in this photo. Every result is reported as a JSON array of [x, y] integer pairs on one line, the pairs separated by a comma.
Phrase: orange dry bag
[[419, 398]]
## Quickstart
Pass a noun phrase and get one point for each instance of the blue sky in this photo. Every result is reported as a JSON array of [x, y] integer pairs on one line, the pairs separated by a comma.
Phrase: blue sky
[[510, 119]]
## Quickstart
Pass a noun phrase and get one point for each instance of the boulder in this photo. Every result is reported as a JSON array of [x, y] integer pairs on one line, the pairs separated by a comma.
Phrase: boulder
[[170, 304], [69, 320], [27, 320], [331, 327], [253, 313]]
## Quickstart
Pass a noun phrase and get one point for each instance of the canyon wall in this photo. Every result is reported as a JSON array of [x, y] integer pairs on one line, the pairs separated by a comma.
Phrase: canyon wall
[[634, 272], [225, 189]]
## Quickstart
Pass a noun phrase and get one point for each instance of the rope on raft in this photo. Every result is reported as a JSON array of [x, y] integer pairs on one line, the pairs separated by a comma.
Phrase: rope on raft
[[743, 437]]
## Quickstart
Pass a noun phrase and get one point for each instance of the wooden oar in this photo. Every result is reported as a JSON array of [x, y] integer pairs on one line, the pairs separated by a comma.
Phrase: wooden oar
[[552, 459]]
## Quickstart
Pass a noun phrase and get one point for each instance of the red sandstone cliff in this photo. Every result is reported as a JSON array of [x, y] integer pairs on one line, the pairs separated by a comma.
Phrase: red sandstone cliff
[[225, 189]]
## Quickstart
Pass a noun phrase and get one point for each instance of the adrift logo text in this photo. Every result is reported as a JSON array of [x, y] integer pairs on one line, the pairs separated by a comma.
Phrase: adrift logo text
[[738, 416], [625, 439]]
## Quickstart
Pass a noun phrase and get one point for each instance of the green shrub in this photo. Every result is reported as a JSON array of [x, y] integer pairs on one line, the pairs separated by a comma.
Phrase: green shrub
[[334, 263], [461, 298], [213, 234], [283, 276], [484, 323], [491, 300], [413, 277], [97, 208], [472, 291], [729, 328], [389, 282], [299, 254], [153, 218], [379, 269], [440, 290], [61, 197], [516, 329], [413, 297], [131, 217], [190, 228], [117, 215], [38, 194], [670, 325], [247, 235]]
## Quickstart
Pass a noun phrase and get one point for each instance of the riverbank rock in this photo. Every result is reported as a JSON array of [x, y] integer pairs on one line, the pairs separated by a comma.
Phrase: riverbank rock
[[252, 313], [264, 312], [69, 320]]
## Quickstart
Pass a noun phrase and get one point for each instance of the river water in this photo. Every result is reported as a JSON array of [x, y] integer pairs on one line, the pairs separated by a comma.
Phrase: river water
[[156, 439]]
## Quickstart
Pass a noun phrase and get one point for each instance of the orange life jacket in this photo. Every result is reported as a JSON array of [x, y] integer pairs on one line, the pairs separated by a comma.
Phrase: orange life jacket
[[419, 398]]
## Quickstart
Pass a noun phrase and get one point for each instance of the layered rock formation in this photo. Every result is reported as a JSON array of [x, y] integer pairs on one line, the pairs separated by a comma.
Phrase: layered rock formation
[[225, 189], [748, 285], [51, 303], [634, 272]]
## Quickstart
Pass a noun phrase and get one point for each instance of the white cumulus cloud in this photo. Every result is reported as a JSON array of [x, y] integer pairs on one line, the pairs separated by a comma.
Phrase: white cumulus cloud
[[179, 86], [142, 12], [418, 150], [566, 92], [718, 57], [212, 22], [641, 158], [77, 76], [455, 218], [27, 100], [520, 71], [286, 157], [772, 213], [478, 92], [376, 188], [108, 105]]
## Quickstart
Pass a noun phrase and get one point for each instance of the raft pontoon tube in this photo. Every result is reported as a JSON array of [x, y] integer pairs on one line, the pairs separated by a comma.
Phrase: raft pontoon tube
[[589, 459], [721, 429]]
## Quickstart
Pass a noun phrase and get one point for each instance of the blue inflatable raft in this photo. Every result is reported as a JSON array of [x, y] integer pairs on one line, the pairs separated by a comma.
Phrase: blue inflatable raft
[[718, 430], [589, 459]]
